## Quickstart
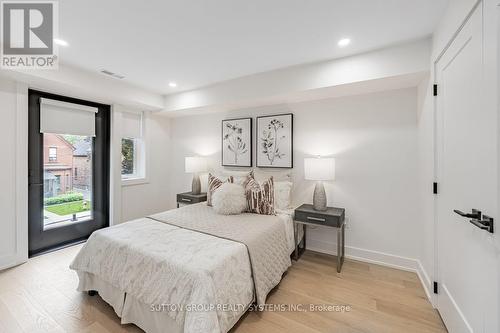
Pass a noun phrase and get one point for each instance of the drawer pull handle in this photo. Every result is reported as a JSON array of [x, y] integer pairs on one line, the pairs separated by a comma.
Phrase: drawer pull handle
[[184, 199], [316, 219]]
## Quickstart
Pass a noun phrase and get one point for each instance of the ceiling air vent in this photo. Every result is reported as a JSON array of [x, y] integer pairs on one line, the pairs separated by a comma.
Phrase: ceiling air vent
[[109, 73]]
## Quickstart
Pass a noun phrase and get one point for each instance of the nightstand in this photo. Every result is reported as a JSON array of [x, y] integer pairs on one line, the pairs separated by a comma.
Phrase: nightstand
[[332, 217], [188, 198]]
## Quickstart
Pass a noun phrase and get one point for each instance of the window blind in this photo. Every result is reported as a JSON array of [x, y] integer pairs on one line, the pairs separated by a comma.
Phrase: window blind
[[131, 125], [66, 118]]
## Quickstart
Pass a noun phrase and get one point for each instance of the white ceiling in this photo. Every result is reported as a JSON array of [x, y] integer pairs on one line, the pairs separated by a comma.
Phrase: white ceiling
[[199, 42]]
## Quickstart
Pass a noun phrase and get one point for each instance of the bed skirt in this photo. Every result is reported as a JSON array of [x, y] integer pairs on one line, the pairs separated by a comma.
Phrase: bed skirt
[[127, 307]]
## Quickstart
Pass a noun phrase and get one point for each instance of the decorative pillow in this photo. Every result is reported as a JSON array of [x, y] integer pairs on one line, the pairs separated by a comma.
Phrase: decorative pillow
[[213, 184], [282, 191], [260, 197], [229, 199]]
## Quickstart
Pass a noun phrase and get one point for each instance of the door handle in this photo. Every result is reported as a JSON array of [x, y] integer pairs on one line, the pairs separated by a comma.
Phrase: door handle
[[485, 224], [476, 214]]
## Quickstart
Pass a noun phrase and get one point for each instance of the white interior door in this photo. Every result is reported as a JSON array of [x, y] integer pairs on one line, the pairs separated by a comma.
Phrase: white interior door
[[467, 173]]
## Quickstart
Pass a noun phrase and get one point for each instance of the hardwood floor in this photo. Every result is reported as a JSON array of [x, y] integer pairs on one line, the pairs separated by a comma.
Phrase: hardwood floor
[[40, 296]]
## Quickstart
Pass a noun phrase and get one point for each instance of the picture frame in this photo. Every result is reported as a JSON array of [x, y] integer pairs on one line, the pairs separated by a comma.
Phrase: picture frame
[[274, 141], [237, 142]]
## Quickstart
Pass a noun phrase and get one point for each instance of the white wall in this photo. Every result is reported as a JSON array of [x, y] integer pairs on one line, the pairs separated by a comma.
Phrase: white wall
[[152, 197], [374, 140], [7, 171]]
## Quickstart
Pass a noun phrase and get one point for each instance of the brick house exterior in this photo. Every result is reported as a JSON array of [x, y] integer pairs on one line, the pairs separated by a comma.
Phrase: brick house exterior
[[57, 164], [82, 164]]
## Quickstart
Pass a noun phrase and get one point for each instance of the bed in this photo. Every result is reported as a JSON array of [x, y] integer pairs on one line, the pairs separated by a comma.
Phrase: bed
[[188, 269]]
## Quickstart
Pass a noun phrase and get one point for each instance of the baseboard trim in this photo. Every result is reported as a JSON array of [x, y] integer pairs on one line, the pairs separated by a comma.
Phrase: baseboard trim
[[378, 258], [426, 283], [456, 317], [9, 261]]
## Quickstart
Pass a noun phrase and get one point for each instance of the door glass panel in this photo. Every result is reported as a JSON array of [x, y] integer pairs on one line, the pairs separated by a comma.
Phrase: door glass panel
[[67, 179]]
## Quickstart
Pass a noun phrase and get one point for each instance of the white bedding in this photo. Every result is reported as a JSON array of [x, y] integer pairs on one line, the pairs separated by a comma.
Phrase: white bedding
[[286, 215], [162, 264]]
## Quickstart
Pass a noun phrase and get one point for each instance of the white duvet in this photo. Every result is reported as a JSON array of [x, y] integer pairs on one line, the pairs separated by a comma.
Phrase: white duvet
[[172, 269]]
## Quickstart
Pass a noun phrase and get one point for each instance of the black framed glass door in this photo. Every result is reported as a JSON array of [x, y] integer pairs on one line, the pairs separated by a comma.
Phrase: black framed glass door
[[68, 170]]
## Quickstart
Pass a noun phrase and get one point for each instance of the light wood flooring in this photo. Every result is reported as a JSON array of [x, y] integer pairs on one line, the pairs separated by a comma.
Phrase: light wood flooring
[[40, 296]]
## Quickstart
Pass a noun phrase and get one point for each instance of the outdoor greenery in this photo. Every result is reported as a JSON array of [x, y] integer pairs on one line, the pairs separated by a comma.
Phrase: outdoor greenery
[[67, 197], [127, 156], [72, 138], [69, 207]]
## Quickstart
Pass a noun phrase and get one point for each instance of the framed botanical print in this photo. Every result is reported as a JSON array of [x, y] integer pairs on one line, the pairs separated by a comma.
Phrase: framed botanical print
[[275, 141], [237, 142]]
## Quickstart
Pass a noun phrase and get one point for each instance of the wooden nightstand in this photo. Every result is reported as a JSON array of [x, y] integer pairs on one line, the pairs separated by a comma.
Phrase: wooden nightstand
[[332, 217], [188, 198]]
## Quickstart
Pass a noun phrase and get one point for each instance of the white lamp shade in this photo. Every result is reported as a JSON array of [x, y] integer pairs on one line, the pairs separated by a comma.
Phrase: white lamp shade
[[319, 168], [195, 164]]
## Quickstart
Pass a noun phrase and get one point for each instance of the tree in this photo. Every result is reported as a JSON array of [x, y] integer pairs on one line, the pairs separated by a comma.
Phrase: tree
[[127, 156]]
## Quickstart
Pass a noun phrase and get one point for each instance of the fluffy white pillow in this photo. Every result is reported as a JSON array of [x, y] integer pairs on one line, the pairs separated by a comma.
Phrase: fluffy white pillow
[[229, 199]]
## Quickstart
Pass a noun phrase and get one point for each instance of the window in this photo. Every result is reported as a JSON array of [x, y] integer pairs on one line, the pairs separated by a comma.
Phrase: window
[[57, 184], [129, 165], [67, 185], [52, 154], [133, 148]]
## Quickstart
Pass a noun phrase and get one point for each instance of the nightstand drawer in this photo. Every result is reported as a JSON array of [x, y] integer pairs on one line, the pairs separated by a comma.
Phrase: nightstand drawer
[[188, 198], [333, 217], [316, 219]]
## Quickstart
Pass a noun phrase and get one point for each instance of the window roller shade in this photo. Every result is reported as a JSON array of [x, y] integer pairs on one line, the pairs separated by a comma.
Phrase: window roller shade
[[131, 126], [66, 118]]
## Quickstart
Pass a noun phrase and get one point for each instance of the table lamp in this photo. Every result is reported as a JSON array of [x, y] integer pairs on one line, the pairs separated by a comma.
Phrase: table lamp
[[319, 169], [195, 165]]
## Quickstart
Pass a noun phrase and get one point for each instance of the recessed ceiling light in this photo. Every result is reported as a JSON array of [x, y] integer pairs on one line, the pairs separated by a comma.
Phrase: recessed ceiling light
[[60, 42], [172, 84], [344, 42]]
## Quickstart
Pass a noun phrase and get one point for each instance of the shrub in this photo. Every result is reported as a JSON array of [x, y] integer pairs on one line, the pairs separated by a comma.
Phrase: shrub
[[68, 197]]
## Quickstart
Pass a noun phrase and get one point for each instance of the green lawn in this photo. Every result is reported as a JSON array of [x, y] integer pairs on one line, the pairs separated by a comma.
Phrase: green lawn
[[69, 207]]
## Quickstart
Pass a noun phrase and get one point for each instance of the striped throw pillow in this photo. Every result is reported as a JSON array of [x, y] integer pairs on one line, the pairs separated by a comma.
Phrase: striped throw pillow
[[213, 184], [260, 197]]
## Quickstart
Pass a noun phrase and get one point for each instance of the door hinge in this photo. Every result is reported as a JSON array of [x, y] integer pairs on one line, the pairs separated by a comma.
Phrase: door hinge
[[435, 90], [434, 188], [435, 287]]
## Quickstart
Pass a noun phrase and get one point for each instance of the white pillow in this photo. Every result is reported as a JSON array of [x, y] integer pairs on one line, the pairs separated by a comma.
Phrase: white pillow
[[239, 177], [229, 199], [282, 191], [261, 175]]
